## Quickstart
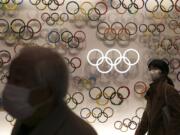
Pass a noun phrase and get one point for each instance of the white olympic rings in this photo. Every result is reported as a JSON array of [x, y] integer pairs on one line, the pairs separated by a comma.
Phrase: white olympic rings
[[112, 63]]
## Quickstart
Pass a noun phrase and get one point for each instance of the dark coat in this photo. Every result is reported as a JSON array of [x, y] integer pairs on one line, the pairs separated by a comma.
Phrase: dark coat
[[152, 120], [62, 121]]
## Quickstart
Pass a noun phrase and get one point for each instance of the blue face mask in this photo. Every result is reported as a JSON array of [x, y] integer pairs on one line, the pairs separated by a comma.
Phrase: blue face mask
[[15, 101]]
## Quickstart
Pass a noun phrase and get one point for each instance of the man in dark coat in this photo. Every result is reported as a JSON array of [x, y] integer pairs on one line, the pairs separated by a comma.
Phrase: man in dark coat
[[34, 95], [152, 120]]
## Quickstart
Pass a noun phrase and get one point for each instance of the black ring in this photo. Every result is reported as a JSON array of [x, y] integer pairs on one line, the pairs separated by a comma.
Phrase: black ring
[[35, 20], [128, 91], [75, 12], [73, 40], [119, 96], [22, 29], [85, 117], [97, 11], [69, 38], [105, 115], [104, 91], [20, 21], [99, 94], [99, 114], [81, 101], [134, 5]]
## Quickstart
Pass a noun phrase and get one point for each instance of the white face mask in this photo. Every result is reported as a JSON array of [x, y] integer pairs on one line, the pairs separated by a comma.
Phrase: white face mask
[[15, 101], [155, 74]]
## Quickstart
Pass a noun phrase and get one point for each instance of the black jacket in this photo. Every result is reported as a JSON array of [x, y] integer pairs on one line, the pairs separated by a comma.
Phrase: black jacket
[[62, 121], [152, 120]]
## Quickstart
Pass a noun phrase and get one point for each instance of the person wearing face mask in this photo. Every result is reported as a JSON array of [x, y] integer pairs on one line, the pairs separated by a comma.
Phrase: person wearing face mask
[[152, 121], [34, 95]]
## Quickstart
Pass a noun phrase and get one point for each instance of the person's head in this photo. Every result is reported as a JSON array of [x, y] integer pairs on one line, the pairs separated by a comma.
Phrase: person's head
[[36, 75], [159, 69]]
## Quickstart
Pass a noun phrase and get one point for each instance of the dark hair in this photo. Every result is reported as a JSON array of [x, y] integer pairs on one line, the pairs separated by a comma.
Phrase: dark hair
[[160, 64], [40, 67], [163, 66]]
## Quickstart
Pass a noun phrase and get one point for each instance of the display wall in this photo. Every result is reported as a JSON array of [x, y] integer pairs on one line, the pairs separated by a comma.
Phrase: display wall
[[106, 44]]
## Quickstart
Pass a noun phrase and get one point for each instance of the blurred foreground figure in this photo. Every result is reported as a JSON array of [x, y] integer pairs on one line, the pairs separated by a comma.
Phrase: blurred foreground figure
[[34, 95]]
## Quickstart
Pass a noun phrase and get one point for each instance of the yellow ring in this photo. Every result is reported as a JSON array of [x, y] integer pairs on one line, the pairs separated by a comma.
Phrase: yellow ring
[[97, 101], [10, 6], [93, 121], [83, 10]]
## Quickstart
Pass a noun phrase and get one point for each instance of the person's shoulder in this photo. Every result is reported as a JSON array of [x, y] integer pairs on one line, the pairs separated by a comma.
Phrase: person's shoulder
[[171, 90]]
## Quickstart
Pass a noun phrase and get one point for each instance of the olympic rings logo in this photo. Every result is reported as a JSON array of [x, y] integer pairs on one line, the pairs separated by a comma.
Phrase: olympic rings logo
[[109, 93], [20, 29], [51, 4], [116, 31], [74, 100], [121, 6], [68, 38], [113, 63], [54, 18], [129, 123], [96, 114]]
